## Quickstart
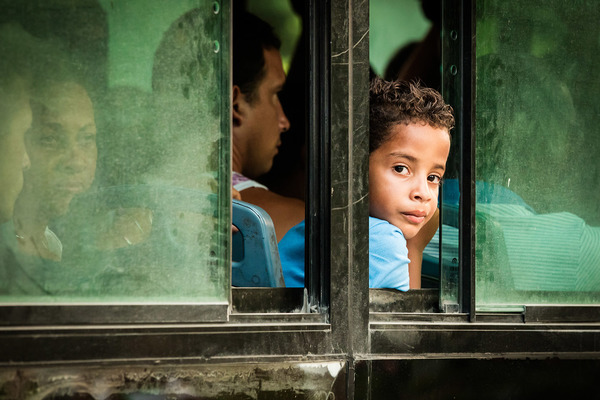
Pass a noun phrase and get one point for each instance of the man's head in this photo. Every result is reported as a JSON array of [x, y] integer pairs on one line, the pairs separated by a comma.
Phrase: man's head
[[258, 77], [251, 35], [409, 146]]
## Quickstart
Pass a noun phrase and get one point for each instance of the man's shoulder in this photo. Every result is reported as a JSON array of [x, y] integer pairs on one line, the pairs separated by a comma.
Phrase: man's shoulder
[[284, 211], [241, 182], [264, 197]]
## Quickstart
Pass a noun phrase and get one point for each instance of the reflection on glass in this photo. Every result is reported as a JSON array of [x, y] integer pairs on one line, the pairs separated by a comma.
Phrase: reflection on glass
[[124, 144], [537, 212], [62, 148]]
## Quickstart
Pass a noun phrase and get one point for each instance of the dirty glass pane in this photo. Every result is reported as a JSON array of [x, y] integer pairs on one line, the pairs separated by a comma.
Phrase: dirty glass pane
[[116, 116], [537, 165]]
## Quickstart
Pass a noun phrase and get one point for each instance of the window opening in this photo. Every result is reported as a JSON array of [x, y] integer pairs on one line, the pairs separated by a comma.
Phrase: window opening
[[297, 180], [413, 54]]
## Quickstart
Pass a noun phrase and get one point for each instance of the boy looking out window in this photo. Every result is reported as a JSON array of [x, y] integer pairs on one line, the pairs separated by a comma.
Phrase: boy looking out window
[[409, 145]]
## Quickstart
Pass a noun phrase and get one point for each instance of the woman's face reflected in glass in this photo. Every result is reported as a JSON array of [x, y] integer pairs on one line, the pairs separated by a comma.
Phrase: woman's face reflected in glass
[[61, 146]]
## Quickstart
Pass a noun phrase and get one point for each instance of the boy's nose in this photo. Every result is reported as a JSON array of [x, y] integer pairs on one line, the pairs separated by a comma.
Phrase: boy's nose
[[421, 190]]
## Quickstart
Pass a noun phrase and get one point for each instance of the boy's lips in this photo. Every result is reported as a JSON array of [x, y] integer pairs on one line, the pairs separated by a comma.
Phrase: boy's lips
[[415, 217]]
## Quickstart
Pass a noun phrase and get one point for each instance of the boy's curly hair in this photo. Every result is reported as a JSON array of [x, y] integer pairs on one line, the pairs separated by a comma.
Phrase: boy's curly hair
[[401, 102]]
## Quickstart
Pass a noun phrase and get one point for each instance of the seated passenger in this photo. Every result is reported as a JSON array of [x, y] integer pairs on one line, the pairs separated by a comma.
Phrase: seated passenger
[[15, 120], [537, 183], [62, 148], [537, 177], [530, 241], [409, 145], [259, 119]]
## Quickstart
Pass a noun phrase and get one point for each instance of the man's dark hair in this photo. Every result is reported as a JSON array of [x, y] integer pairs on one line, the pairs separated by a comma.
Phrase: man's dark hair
[[250, 36], [400, 102]]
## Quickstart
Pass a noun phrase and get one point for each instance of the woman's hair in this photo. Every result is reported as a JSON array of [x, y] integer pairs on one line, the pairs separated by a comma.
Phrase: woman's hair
[[400, 102]]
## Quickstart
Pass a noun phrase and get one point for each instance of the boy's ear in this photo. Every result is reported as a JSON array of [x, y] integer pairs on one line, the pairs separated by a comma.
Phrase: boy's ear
[[238, 103]]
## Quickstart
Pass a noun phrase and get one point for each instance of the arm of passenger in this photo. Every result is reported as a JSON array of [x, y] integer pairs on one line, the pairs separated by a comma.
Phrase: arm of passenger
[[416, 245], [285, 212], [235, 195]]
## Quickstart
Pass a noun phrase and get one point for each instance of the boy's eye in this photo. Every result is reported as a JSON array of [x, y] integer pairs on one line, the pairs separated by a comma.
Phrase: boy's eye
[[401, 169], [434, 179]]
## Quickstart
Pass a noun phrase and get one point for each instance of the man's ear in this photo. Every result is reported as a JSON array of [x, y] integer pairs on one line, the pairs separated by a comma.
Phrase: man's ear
[[237, 106]]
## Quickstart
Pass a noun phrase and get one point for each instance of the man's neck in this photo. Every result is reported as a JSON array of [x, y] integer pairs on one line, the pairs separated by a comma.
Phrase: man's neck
[[236, 160]]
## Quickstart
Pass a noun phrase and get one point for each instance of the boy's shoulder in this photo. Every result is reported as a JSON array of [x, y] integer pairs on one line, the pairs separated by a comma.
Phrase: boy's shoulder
[[382, 227], [388, 256]]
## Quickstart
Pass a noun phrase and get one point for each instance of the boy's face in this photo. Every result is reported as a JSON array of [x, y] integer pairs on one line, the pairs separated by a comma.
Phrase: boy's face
[[404, 176]]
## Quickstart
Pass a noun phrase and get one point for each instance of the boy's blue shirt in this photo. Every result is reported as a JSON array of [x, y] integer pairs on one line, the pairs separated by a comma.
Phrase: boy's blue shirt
[[388, 256]]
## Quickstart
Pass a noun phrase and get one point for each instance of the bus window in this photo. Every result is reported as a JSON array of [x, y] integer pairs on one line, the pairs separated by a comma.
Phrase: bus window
[[269, 145], [537, 170], [126, 197], [410, 51], [535, 234]]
